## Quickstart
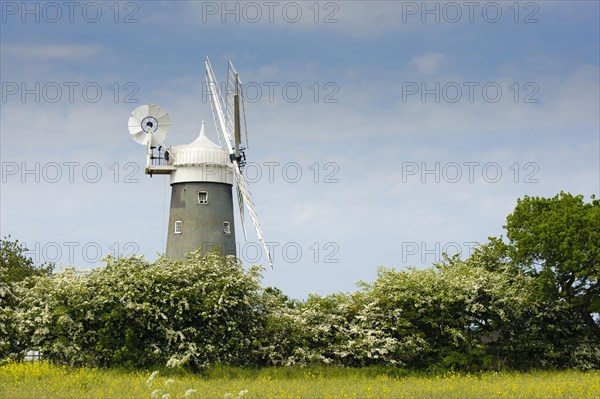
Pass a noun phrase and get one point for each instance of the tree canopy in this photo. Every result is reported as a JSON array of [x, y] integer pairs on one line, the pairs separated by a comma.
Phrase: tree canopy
[[557, 240], [16, 265]]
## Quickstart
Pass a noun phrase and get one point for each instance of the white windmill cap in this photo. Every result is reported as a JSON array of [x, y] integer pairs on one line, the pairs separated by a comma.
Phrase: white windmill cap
[[200, 151], [201, 160]]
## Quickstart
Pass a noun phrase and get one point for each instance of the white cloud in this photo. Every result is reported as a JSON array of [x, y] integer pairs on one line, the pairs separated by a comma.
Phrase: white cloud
[[428, 63]]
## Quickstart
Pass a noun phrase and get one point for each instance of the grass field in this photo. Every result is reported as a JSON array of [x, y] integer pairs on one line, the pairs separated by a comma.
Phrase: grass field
[[42, 380]]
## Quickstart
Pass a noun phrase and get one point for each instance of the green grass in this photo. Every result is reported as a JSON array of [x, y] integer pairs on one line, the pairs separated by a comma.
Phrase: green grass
[[43, 380]]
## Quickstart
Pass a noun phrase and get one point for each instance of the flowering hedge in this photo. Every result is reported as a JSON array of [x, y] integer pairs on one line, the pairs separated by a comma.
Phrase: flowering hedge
[[134, 313], [473, 314]]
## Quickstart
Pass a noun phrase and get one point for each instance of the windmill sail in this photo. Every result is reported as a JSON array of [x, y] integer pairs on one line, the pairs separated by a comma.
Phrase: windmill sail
[[226, 118], [234, 107], [216, 102]]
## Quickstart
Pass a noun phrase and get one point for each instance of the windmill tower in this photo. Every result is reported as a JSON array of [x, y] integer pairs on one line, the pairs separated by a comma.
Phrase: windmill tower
[[202, 173]]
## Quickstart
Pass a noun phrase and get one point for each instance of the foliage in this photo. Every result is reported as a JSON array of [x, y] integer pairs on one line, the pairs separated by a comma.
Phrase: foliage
[[557, 242], [332, 329], [132, 313], [15, 267], [459, 314], [7, 323]]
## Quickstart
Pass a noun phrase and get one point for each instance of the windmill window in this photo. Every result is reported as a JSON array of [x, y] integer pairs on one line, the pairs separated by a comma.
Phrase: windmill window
[[226, 228], [178, 226], [202, 197]]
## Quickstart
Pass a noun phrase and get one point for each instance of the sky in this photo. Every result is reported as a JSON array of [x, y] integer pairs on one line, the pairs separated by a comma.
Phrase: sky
[[380, 133]]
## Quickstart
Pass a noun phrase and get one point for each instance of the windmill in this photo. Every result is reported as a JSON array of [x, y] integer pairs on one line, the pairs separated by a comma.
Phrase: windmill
[[202, 173]]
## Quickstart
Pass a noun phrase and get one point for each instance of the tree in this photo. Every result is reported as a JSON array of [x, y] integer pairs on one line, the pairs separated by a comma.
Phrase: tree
[[16, 265], [557, 240]]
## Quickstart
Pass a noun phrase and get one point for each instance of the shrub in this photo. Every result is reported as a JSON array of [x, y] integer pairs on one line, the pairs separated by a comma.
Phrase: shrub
[[196, 312]]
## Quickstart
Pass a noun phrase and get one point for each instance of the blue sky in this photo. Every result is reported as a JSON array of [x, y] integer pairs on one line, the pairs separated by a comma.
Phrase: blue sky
[[393, 131]]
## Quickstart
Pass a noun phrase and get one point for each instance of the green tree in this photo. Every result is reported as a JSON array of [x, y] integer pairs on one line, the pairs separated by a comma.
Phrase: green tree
[[557, 241], [16, 265]]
